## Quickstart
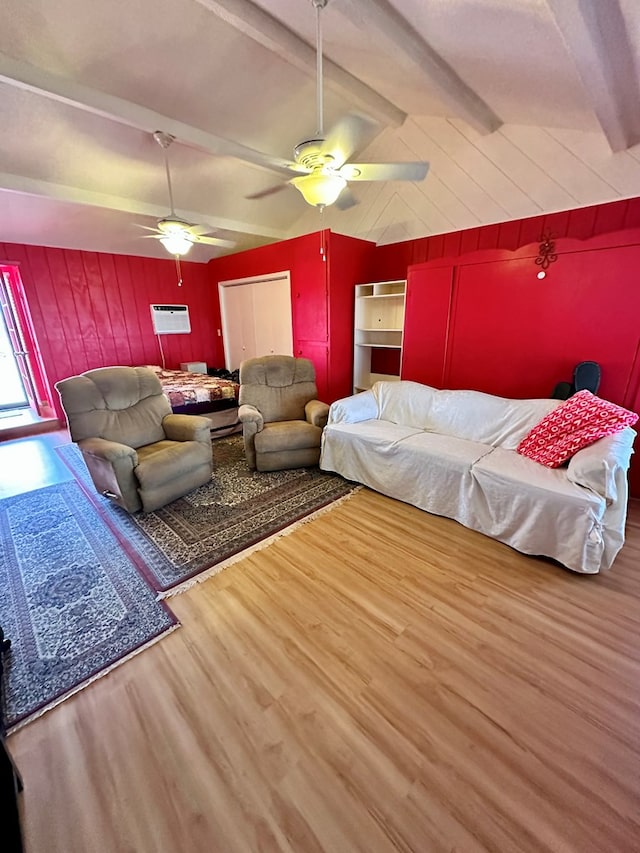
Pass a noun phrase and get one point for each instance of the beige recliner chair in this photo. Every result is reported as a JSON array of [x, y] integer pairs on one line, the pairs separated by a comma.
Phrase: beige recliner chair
[[282, 421], [138, 453]]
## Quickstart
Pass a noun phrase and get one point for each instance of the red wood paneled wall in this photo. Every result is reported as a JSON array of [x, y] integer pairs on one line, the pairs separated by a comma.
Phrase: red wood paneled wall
[[91, 309]]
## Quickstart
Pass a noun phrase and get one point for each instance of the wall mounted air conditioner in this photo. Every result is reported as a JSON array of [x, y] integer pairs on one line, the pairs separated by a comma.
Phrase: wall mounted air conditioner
[[170, 319]]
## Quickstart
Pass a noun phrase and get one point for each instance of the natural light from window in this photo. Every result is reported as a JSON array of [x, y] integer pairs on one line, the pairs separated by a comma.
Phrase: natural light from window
[[12, 394]]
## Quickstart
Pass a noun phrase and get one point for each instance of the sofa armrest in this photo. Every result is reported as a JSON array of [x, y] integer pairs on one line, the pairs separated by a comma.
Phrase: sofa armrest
[[187, 428], [317, 413], [110, 451], [350, 410], [596, 467]]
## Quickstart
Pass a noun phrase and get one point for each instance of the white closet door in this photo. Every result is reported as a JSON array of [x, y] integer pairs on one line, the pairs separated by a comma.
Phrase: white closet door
[[236, 305], [256, 318], [272, 318]]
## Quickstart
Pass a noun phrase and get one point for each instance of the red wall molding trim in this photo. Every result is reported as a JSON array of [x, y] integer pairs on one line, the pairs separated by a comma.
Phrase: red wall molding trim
[[393, 260]]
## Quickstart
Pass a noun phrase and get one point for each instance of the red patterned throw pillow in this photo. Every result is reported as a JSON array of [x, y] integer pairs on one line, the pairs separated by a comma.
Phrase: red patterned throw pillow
[[583, 419]]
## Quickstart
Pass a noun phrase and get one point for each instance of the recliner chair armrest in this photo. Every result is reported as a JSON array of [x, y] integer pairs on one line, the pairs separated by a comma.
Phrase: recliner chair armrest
[[316, 413], [107, 450], [187, 428], [250, 415]]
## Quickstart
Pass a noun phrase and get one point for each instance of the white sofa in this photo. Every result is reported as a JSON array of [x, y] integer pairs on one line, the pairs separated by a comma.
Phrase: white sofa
[[453, 453]]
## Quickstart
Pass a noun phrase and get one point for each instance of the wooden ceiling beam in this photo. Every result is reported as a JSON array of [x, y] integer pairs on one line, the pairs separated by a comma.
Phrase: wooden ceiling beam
[[77, 195], [266, 30], [457, 95], [597, 38]]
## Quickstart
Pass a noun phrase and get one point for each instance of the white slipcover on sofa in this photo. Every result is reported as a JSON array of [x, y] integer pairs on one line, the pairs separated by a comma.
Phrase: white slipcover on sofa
[[453, 453]]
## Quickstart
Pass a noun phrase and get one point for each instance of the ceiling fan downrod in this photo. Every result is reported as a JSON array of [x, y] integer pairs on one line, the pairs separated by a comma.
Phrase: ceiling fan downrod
[[164, 140], [319, 5]]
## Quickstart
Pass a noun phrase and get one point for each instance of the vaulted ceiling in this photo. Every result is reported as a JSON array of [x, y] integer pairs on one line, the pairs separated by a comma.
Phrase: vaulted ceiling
[[520, 107]]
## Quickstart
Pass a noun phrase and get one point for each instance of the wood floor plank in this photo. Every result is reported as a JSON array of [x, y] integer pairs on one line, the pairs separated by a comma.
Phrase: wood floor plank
[[379, 680]]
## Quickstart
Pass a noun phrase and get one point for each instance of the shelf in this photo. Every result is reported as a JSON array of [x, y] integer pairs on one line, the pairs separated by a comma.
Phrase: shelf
[[381, 346], [382, 296]]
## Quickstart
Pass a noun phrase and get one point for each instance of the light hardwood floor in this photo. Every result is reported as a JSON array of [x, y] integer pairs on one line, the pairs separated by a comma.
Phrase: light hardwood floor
[[379, 680]]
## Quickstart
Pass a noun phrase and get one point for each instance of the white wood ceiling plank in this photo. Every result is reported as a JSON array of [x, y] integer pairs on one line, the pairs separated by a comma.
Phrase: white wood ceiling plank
[[388, 214], [447, 202], [397, 224], [620, 169], [378, 198], [567, 170], [460, 180], [533, 180], [537, 187], [424, 207], [476, 161], [455, 214]]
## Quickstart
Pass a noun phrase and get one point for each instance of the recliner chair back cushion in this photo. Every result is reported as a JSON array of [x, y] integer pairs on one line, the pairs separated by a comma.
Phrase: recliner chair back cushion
[[278, 386], [123, 404]]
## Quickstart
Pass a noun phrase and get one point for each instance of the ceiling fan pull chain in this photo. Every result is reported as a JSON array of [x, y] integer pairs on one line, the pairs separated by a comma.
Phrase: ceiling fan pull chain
[[323, 253], [178, 270]]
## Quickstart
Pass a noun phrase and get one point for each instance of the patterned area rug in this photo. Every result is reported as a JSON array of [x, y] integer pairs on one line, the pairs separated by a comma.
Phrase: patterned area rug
[[238, 510], [71, 601]]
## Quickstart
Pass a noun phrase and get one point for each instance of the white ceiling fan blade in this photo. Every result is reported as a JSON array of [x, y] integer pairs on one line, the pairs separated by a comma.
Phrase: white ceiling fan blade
[[200, 230], [350, 133], [216, 241], [266, 192], [385, 171], [145, 227], [346, 199]]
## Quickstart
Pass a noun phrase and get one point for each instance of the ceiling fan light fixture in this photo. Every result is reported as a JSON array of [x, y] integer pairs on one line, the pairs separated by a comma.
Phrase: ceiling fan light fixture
[[176, 243], [320, 189]]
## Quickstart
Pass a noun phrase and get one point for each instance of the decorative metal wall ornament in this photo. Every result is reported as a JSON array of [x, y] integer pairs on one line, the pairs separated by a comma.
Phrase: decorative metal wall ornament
[[547, 254]]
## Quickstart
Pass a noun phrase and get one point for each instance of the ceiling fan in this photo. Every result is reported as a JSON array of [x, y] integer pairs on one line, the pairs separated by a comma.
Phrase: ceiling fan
[[176, 234], [320, 168]]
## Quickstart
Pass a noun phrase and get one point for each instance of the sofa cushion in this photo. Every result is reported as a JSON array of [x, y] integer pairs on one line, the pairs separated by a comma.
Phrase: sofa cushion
[[538, 510], [471, 415], [492, 420], [576, 423]]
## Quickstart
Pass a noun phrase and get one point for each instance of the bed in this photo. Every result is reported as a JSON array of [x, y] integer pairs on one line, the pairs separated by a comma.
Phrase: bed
[[200, 394]]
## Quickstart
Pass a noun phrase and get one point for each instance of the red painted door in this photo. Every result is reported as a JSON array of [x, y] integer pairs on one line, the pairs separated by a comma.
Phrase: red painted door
[[426, 324], [516, 336]]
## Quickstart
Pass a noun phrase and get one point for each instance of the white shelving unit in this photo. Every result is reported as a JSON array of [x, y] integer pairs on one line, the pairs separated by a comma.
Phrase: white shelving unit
[[379, 321]]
